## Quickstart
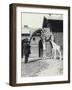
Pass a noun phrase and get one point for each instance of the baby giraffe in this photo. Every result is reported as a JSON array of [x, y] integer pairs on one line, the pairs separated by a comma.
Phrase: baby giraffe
[[55, 48]]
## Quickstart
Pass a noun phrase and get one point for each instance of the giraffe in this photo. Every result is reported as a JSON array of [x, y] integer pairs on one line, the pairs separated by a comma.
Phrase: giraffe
[[55, 48]]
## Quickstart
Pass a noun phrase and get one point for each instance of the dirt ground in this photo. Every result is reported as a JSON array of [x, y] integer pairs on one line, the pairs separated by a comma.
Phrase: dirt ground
[[44, 67]]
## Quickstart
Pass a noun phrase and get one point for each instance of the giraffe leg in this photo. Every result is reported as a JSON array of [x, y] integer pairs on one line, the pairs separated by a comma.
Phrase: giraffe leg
[[54, 53], [59, 53]]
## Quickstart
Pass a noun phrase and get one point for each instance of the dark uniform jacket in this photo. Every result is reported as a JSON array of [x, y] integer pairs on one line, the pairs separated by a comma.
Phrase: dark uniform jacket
[[26, 49]]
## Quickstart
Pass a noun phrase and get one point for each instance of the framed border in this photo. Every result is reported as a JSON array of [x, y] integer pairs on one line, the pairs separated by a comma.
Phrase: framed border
[[12, 62]]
